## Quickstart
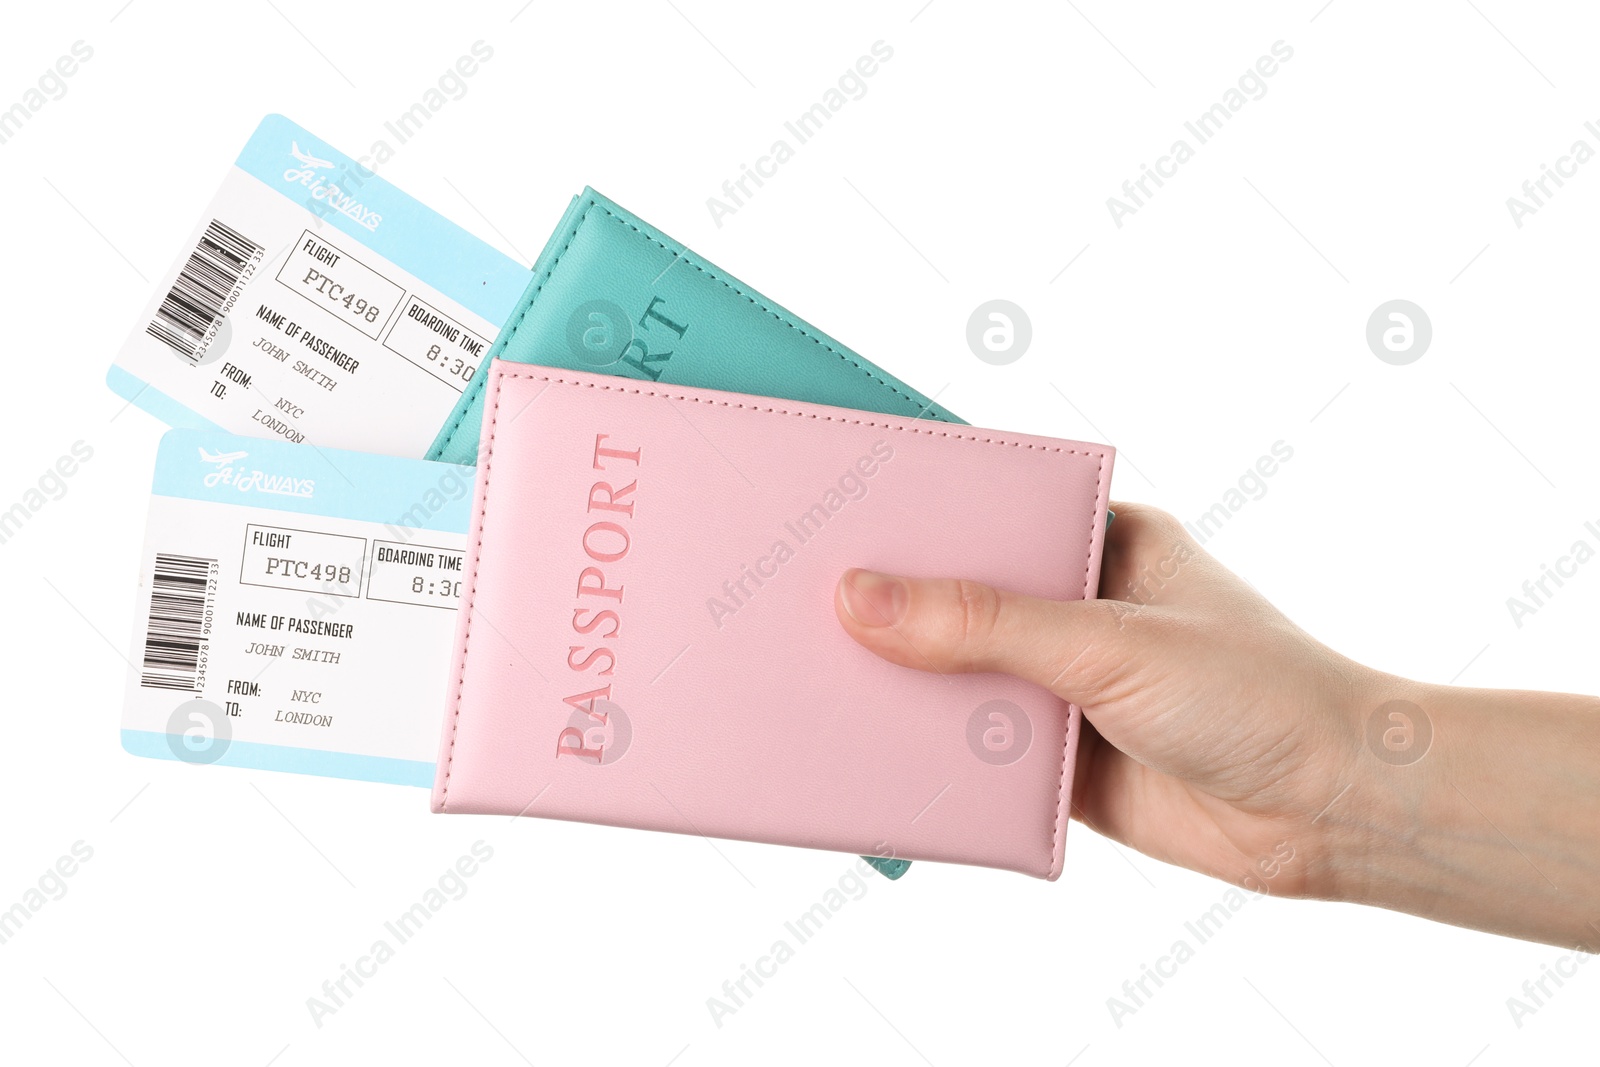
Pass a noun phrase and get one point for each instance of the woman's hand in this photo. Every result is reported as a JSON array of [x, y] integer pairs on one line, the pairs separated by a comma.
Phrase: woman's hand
[[1223, 738]]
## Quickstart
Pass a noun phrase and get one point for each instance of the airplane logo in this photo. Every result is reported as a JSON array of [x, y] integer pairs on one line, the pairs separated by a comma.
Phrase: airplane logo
[[306, 158]]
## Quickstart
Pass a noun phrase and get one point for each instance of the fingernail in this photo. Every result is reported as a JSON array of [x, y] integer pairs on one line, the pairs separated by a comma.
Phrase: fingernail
[[874, 599]]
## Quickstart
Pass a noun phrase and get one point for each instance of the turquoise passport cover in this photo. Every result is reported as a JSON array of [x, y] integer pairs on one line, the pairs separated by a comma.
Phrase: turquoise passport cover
[[612, 294]]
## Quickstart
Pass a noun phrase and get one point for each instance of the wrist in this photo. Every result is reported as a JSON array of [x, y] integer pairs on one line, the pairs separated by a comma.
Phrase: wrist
[[1472, 807], [1384, 788]]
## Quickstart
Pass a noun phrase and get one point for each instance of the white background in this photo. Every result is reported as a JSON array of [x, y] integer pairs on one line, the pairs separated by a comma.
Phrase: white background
[[1226, 315]]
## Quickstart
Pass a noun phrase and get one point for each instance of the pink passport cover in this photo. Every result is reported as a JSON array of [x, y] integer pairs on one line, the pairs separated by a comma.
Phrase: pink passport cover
[[647, 634]]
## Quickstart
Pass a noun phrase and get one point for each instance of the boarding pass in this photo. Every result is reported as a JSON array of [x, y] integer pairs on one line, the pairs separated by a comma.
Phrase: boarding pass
[[315, 302], [295, 608]]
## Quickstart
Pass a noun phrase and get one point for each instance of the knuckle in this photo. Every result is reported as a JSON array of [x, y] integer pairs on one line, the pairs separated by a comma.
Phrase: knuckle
[[1153, 534], [1163, 525], [977, 614]]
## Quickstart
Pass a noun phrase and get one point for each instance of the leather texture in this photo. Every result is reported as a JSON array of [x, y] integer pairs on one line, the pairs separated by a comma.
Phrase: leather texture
[[611, 294], [647, 637], [587, 308]]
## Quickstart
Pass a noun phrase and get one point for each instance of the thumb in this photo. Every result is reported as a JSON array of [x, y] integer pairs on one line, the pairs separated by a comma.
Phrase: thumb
[[953, 626]]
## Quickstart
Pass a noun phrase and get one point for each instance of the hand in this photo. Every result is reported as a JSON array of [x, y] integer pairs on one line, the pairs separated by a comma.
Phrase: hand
[[1221, 737]]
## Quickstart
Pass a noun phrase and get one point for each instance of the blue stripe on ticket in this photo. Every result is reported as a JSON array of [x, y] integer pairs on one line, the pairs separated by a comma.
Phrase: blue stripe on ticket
[[406, 494]]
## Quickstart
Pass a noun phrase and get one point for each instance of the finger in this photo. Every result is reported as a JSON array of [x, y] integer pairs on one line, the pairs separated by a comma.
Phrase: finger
[[954, 626]]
